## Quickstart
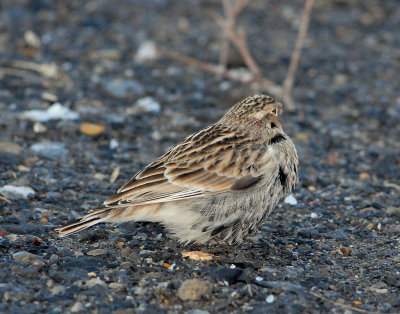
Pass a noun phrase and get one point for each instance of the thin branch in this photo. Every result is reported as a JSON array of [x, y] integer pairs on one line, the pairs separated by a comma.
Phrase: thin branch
[[192, 61], [228, 22], [237, 37], [239, 41], [295, 58], [227, 7], [240, 5], [224, 50]]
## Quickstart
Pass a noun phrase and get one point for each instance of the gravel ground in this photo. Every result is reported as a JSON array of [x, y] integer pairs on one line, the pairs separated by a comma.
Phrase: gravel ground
[[335, 248]]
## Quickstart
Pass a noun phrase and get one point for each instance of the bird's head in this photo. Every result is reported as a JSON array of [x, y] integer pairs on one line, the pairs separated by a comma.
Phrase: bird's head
[[258, 110]]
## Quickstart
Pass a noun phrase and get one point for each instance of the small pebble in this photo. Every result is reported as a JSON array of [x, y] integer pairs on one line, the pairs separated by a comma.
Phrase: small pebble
[[77, 307], [198, 255], [196, 311], [392, 210], [32, 39], [145, 105], [95, 281], [39, 127], [10, 147], [364, 176], [147, 51], [26, 257], [114, 144], [91, 129], [12, 191], [58, 289], [117, 286], [193, 289], [270, 298], [114, 175], [51, 150], [55, 112], [96, 252], [123, 88], [228, 276], [290, 199]]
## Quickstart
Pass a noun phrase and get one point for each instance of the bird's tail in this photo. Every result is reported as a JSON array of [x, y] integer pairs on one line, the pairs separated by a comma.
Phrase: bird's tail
[[95, 217]]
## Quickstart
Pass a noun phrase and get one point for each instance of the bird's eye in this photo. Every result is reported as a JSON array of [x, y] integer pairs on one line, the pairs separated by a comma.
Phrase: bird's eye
[[273, 125], [275, 111]]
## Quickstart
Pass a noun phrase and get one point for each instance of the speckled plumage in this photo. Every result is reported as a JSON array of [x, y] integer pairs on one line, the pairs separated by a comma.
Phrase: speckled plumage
[[218, 183]]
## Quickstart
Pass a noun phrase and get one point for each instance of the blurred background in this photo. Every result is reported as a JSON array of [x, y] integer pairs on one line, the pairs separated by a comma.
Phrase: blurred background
[[92, 91]]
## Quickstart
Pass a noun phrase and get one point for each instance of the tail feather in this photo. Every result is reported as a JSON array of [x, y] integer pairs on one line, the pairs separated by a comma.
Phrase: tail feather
[[80, 224]]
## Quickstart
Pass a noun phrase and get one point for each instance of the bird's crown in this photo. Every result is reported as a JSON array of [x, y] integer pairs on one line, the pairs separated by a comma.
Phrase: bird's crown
[[254, 107]]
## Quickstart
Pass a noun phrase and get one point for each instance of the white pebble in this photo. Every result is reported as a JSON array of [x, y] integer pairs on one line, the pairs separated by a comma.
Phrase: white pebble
[[50, 150], [77, 307], [32, 39], [171, 268], [146, 104], [242, 75], [147, 51], [95, 281], [270, 298], [113, 144], [224, 86], [314, 215], [39, 128], [58, 289], [290, 199], [17, 191], [55, 112], [258, 278]]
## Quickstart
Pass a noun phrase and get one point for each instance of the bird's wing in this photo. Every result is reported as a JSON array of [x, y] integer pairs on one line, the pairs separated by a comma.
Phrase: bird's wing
[[214, 160]]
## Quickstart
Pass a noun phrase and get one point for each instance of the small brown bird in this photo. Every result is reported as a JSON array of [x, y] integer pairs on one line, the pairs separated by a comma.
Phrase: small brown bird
[[219, 183]]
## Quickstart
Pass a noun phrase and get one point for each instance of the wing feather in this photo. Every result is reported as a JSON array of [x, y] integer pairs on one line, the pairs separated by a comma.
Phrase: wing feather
[[211, 161]]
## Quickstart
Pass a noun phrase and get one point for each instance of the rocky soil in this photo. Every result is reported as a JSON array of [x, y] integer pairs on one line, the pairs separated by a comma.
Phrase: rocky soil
[[87, 99]]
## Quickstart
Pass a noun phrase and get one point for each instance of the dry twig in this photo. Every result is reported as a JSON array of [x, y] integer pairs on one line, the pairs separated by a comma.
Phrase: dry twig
[[294, 60], [237, 37]]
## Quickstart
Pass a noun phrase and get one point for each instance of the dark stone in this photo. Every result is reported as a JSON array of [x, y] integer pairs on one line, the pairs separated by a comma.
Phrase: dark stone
[[228, 275], [11, 228], [30, 271], [93, 235], [393, 280], [337, 235], [309, 234], [83, 262], [245, 276]]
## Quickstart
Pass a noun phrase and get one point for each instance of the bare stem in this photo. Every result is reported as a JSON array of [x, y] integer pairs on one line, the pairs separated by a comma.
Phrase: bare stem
[[191, 61], [237, 36], [295, 58], [240, 5]]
